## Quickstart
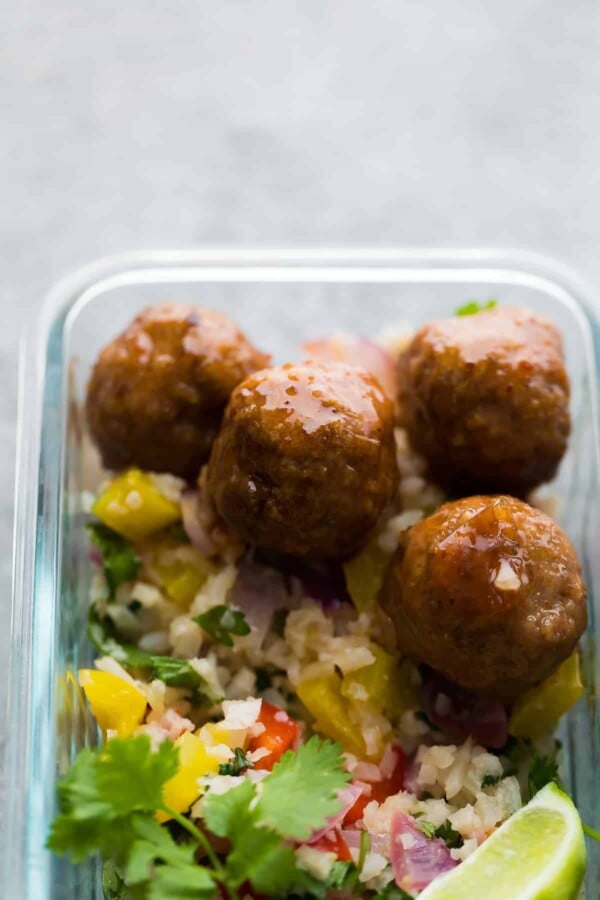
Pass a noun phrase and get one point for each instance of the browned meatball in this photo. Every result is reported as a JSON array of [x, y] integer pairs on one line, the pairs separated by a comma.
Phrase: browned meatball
[[304, 462], [158, 391], [488, 591], [485, 399]]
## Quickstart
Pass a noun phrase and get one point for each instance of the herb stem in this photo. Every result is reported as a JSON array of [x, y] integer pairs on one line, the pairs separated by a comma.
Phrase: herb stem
[[365, 847], [198, 836], [591, 832]]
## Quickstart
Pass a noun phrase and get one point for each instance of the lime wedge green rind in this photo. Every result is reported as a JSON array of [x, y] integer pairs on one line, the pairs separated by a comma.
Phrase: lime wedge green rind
[[538, 854]]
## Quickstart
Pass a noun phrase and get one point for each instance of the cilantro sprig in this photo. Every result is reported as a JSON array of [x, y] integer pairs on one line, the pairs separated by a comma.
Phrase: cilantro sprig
[[119, 558], [221, 622], [110, 796], [474, 307]]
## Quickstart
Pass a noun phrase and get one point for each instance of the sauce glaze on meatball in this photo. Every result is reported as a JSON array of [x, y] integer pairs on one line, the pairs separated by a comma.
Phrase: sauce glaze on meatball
[[305, 461], [157, 392], [485, 398], [489, 592]]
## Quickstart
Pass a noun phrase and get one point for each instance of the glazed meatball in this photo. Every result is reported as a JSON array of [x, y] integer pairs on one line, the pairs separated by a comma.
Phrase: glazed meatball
[[488, 591], [304, 462], [157, 392], [485, 399]]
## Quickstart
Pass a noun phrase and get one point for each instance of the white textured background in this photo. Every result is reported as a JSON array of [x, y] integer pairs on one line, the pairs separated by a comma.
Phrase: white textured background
[[143, 123]]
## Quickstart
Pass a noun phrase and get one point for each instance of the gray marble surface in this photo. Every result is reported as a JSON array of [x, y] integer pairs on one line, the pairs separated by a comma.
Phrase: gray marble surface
[[126, 125]]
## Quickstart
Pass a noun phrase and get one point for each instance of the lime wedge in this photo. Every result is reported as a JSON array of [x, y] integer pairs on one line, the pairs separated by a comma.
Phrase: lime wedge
[[538, 854]]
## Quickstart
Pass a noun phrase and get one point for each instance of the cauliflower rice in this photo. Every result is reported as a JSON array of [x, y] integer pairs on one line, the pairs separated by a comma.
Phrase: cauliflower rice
[[295, 641]]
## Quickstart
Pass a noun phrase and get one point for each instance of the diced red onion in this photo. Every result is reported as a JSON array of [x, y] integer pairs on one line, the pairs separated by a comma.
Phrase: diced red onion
[[347, 796], [357, 351], [409, 782], [258, 591], [389, 760], [324, 582], [198, 519], [368, 771], [205, 528], [422, 859], [95, 556], [462, 714]]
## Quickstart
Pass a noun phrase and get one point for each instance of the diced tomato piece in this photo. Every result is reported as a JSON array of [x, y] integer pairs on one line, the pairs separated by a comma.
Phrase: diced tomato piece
[[280, 734], [333, 842], [356, 812], [380, 790]]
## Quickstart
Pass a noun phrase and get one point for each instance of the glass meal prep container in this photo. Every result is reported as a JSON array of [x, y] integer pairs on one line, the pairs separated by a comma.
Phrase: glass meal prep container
[[280, 299]]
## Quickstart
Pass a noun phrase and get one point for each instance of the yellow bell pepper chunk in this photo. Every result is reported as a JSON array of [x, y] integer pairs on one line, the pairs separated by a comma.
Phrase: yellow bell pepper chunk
[[385, 684], [538, 711], [323, 699], [133, 506], [364, 575], [183, 789], [116, 704], [183, 585], [182, 580]]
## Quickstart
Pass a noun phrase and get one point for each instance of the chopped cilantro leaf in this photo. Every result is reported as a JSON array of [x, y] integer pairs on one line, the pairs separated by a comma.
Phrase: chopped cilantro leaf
[[451, 838], [221, 622], [174, 671], [474, 307], [542, 770], [237, 765], [427, 827], [119, 559], [445, 831], [490, 780], [102, 635]]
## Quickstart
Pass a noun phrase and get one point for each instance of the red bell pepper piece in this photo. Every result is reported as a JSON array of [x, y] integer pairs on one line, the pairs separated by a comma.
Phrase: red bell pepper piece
[[380, 790], [280, 734]]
